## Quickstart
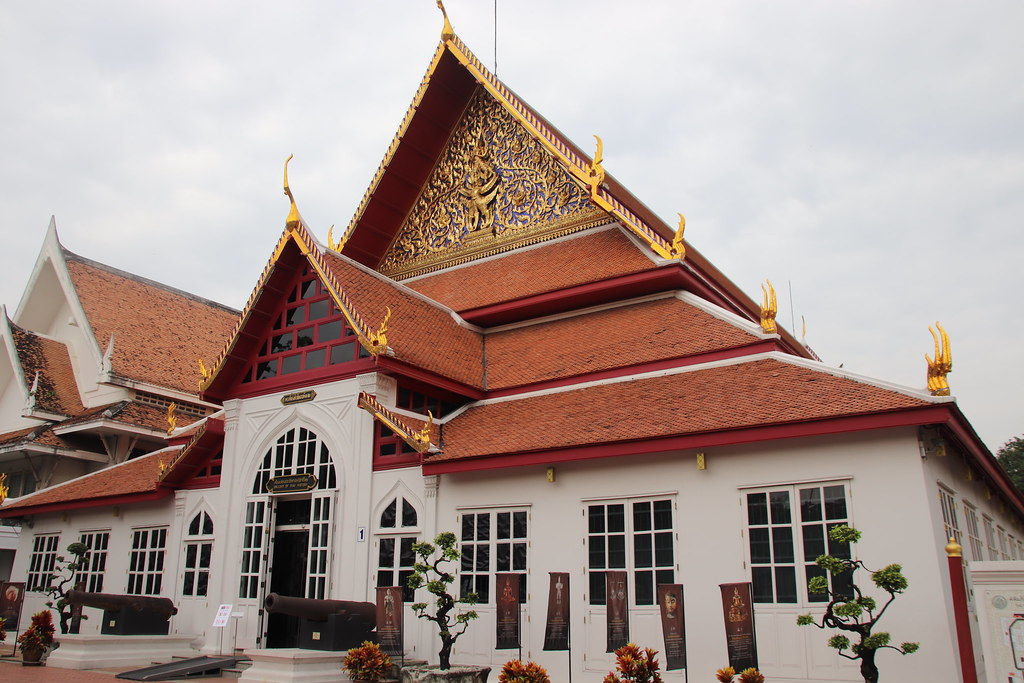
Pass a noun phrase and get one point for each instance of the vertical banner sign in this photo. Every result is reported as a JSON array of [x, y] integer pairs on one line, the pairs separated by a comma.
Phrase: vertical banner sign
[[670, 600], [389, 620], [508, 611], [11, 597], [618, 610], [737, 607], [556, 634]]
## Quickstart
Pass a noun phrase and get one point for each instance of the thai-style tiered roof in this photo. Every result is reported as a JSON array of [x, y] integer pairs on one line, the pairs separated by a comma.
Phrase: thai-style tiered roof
[[46, 368]]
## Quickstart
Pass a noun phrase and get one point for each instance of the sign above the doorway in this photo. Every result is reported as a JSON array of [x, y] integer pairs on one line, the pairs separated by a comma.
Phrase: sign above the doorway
[[298, 397], [291, 483]]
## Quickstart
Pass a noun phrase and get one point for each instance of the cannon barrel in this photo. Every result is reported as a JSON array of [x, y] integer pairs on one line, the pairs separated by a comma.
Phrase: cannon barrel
[[114, 603], [319, 610]]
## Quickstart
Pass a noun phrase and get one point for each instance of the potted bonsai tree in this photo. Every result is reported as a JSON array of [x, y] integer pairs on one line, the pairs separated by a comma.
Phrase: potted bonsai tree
[[367, 663], [36, 638], [429, 571]]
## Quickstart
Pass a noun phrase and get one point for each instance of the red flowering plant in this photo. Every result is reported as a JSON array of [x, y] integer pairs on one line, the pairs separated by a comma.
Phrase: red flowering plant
[[635, 666], [3, 630], [515, 671], [39, 635], [728, 675], [367, 663]]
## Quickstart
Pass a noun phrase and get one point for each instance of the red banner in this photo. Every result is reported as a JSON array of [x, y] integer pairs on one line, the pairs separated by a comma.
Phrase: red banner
[[556, 634], [508, 611], [670, 600], [738, 610], [11, 597], [389, 620], [618, 610]]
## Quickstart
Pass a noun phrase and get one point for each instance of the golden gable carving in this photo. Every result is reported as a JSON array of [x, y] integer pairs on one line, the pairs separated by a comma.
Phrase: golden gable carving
[[495, 188]]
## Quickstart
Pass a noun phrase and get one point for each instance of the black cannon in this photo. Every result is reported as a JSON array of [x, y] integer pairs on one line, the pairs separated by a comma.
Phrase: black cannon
[[327, 624], [128, 615]]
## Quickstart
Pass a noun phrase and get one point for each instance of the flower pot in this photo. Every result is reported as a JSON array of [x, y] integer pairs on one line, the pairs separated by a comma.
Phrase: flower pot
[[31, 656], [456, 674]]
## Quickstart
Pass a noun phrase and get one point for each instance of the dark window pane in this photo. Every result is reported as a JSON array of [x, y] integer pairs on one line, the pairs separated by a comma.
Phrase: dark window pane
[[503, 557], [483, 588], [643, 552], [304, 337], [842, 584], [205, 552], [504, 529], [760, 547], [519, 525], [483, 527], [663, 549], [387, 518], [782, 544], [641, 516], [595, 519], [295, 316], [762, 584], [342, 353], [616, 518], [662, 514], [617, 552], [384, 578], [597, 552], [408, 514], [308, 289], [281, 342], [519, 557], [329, 331], [202, 583], [315, 359], [193, 527], [483, 558], [840, 550], [757, 508], [810, 504], [191, 552], [318, 309], [386, 557], [814, 542], [644, 586], [406, 556], [468, 552], [266, 370], [785, 584], [465, 586], [835, 502], [780, 507], [467, 527], [813, 570], [597, 588], [290, 364]]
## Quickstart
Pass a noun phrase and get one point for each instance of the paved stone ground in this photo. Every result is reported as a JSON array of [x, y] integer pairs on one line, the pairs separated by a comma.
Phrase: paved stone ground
[[11, 671]]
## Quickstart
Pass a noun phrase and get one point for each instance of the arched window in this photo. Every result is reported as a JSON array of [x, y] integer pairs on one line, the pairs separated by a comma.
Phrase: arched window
[[198, 553], [297, 451], [398, 529]]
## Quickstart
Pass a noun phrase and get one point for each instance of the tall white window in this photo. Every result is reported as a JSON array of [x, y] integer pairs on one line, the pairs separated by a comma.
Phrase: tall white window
[[1004, 553], [91, 574], [950, 523], [397, 531], [787, 531], [990, 538], [636, 536], [493, 541], [198, 554], [146, 562], [973, 534], [42, 561], [252, 548]]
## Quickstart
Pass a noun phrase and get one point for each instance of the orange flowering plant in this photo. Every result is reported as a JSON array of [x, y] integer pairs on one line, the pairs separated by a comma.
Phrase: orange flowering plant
[[367, 663], [635, 665], [728, 675], [515, 671]]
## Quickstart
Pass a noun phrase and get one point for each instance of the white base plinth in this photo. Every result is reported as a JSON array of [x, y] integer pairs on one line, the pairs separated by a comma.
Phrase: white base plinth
[[292, 665], [111, 652]]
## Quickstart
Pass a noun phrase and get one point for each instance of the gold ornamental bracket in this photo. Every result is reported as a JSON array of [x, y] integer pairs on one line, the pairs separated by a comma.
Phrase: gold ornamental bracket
[[678, 249], [376, 342], [942, 365], [204, 375], [172, 418], [769, 309], [596, 173], [4, 488], [419, 439]]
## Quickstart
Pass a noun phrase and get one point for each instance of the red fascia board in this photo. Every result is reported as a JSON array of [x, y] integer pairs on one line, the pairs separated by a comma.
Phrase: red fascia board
[[396, 368], [911, 417], [973, 445], [760, 346], [66, 506], [301, 380]]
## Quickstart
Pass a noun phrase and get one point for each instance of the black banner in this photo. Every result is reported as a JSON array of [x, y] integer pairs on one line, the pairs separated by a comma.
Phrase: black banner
[[738, 610], [556, 634], [11, 597], [508, 611], [389, 620], [673, 627], [618, 610]]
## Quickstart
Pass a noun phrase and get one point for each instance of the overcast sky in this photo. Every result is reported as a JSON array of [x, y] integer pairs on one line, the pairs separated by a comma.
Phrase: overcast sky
[[867, 157]]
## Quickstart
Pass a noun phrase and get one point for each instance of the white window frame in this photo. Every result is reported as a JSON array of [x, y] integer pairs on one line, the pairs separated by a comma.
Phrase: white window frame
[[197, 556], [480, 559], [660, 569], [395, 558], [808, 538], [97, 541], [146, 560], [1004, 554], [973, 533], [990, 537], [42, 561], [950, 521]]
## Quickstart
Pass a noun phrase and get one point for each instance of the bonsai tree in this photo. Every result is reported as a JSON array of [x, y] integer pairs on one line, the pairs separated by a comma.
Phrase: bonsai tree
[[851, 611], [427, 571], [635, 665], [515, 671], [367, 663], [64, 579]]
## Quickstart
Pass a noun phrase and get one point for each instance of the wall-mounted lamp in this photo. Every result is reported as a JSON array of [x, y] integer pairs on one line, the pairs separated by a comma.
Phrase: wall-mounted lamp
[[701, 462], [551, 475]]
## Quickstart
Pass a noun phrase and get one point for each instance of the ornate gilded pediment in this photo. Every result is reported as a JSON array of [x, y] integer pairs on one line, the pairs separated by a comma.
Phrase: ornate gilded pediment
[[495, 188]]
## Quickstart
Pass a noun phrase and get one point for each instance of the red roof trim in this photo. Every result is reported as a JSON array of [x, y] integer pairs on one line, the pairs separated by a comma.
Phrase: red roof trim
[[123, 499], [910, 417]]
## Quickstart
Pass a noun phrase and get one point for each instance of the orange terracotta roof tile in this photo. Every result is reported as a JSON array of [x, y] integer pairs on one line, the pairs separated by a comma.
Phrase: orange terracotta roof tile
[[159, 332], [420, 333], [56, 390], [742, 395], [667, 328], [136, 476], [535, 271], [124, 412], [19, 435]]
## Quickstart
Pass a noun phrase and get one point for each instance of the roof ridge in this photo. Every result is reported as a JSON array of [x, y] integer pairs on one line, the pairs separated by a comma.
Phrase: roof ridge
[[70, 255]]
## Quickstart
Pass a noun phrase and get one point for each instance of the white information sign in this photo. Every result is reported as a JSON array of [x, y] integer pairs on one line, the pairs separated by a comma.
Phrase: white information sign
[[223, 614]]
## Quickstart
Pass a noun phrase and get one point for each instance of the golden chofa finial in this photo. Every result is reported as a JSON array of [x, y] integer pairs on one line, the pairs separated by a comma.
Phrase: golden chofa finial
[[204, 374], [941, 366], [596, 171], [293, 212], [172, 418], [335, 246], [4, 489], [769, 308], [678, 249], [447, 33]]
